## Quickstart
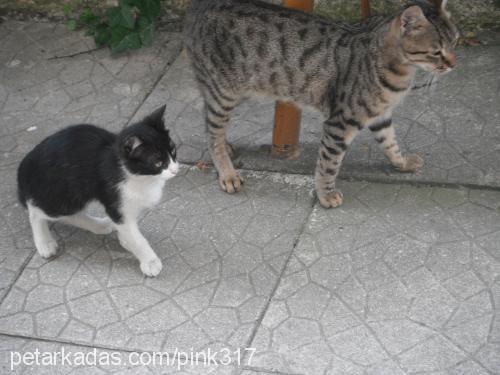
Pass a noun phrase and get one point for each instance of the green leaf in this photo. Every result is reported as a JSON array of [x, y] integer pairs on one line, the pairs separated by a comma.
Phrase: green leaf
[[128, 19], [72, 25], [149, 8], [146, 31], [114, 16], [67, 9], [89, 18], [102, 35], [130, 41], [129, 3], [117, 34]]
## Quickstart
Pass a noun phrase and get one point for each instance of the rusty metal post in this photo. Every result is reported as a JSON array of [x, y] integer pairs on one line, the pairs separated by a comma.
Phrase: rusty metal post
[[305, 5], [286, 132], [365, 9]]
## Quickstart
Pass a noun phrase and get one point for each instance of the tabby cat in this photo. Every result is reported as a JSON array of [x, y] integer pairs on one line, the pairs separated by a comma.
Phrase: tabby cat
[[354, 74]]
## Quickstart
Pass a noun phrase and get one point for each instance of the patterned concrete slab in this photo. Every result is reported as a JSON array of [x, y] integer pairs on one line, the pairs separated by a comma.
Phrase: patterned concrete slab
[[26, 356], [40, 93], [454, 126], [400, 280], [222, 258]]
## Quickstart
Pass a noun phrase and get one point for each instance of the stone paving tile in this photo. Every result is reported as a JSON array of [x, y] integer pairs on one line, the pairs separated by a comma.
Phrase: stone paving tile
[[39, 95], [399, 280], [222, 257], [454, 126], [99, 361]]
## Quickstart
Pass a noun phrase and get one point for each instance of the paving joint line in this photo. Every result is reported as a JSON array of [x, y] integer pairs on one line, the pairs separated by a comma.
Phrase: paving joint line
[[65, 342], [175, 55], [375, 180], [71, 55], [17, 276], [262, 314], [85, 344]]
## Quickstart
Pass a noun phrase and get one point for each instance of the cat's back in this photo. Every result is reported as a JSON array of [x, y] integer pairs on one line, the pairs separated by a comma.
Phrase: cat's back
[[65, 161], [72, 142], [236, 16]]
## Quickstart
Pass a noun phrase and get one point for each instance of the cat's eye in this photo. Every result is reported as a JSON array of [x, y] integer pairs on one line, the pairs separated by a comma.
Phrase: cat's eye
[[159, 164], [436, 53]]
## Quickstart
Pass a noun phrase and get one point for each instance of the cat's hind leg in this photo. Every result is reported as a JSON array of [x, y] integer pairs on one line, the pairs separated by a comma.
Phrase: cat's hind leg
[[338, 134], [218, 106], [385, 136], [45, 243], [90, 223]]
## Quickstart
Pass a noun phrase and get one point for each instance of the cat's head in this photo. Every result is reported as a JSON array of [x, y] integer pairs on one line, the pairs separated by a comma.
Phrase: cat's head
[[428, 36], [147, 149]]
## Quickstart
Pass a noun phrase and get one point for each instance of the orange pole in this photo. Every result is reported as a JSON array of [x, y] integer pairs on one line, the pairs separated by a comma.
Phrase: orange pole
[[365, 9], [305, 5], [286, 132]]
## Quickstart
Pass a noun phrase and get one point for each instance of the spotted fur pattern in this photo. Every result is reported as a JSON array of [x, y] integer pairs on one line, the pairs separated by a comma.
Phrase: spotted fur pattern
[[354, 74]]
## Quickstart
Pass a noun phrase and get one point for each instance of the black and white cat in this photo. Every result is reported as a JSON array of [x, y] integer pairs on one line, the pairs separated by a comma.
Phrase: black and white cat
[[83, 163]]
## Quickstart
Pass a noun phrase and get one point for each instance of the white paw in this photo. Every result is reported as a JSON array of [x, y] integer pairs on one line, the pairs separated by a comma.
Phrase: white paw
[[151, 267], [105, 226], [47, 249]]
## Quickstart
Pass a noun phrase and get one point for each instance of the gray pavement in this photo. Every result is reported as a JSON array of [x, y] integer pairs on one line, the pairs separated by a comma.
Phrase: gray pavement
[[402, 279]]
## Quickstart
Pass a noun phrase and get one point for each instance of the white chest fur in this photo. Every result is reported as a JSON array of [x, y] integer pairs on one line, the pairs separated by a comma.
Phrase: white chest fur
[[140, 192]]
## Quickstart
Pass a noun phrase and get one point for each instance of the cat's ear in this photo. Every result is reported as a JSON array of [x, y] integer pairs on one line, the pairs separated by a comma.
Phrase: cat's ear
[[131, 144], [155, 119], [412, 18], [441, 6]]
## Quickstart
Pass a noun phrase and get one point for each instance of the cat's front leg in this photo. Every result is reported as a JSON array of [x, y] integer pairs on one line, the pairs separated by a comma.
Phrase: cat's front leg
[[385, 135], [132, 239], [337, 136]]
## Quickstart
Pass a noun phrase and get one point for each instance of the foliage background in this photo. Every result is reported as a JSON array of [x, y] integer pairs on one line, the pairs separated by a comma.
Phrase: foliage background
[[472, 15]]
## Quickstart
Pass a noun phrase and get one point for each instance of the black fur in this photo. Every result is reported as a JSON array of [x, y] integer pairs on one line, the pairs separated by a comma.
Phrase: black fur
[[83, 163]]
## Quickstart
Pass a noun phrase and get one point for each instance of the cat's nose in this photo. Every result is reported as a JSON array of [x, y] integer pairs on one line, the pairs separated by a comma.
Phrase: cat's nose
[[174, 168], [451, 59]]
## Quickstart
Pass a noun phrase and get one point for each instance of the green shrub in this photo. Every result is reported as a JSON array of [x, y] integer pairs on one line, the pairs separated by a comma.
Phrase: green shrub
[[130, 25]]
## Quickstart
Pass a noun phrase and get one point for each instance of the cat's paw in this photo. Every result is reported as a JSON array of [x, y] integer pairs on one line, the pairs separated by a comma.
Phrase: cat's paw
[[47, 249], [103, 225], [331, 200], [413, 163], [152, 267], [231, 183]]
